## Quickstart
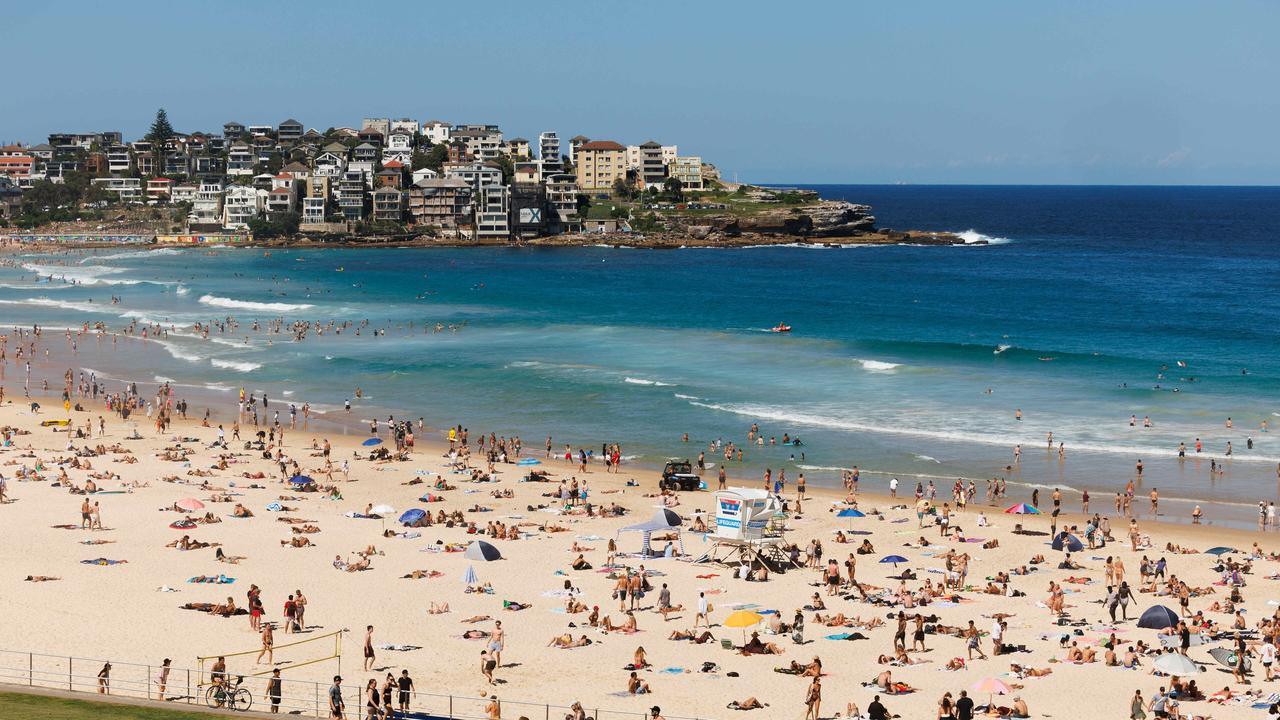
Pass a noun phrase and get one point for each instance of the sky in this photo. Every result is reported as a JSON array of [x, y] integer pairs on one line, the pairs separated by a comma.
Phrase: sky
[[1081, 92]]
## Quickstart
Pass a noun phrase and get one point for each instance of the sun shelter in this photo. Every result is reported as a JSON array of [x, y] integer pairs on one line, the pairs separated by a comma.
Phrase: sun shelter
[[482, 551], [663, 521]]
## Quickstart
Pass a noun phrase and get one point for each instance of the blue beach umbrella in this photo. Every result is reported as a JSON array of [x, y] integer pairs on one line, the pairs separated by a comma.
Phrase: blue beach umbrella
[[850, 513], [300, 479], [895, 559], [1219, 551], [371, 442], [469, 577], [412, 516]]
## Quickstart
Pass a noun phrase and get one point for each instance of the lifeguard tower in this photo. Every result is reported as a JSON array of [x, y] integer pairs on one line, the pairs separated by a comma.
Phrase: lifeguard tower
[[745, 531]]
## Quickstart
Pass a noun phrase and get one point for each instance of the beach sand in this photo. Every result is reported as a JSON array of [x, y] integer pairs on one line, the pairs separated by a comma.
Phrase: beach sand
[[116, 612]]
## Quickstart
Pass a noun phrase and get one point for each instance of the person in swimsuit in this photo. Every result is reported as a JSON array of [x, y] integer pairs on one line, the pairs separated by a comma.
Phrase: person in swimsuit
[[368, 648]]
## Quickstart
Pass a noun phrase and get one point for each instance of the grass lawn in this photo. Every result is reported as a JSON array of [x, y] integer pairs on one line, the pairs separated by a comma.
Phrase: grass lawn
[[21, 705]]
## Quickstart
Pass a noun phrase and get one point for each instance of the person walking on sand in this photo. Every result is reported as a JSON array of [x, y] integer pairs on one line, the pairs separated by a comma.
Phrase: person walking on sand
[[813, 700], [336, 704], [104, 679], [497, 641], [274, 691], [405, 685], [268, 645], [162, 679], [368, 648]]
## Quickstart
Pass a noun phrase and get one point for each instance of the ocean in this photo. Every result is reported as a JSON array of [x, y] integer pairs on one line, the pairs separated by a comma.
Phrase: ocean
[[1086, 306]]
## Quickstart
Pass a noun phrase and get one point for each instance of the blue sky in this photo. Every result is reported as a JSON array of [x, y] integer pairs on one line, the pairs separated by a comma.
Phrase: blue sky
[[1165, 91]]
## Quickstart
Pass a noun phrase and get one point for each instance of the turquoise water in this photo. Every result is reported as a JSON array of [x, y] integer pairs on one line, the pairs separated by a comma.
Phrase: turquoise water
[[888, 366]]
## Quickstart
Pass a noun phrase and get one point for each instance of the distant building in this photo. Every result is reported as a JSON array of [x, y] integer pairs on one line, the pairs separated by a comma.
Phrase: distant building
[[119, 160], [476, 174], [388, 204], [653, 171], [493, 213], [482, 142], [562, 199], [159, 189], [404, 125], [289, 131], [600, 163], [437, 131], [549, 153], [518, 148], [528, 209], [184, 192], [241, 204], [688, 170], [445, 203], [241, 159], [127, 189], [206, 209], [576, 142], [382, 126], [351, 195]]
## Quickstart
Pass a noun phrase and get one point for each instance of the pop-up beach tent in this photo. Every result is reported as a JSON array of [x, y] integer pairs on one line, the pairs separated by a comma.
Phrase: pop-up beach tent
[[663, 520]]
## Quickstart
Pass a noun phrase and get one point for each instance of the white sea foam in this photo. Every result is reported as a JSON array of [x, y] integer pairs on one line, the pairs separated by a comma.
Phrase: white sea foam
[[793, 416], [642, 381], [178, 352], [182, 290], [132, 254], [163, 379], [686, 397], [84, 274], [228, 343], [234, 304], [234, 365], [1001, 348], [972, 236], [37, 287], [60, 304], [926, 458], [877, 365]]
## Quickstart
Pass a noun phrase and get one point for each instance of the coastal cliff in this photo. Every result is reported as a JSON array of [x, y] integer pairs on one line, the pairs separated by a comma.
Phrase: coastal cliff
[[824, 222]]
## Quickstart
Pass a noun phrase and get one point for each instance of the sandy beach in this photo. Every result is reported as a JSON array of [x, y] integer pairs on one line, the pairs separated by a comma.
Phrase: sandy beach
[[124, 613]]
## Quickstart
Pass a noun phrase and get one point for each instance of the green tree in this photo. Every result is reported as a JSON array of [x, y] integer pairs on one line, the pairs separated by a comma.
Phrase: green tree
[[508, 168], [161, 131], [419, 159], [584, 204], [673, 189], [437, 156], [623, 189]]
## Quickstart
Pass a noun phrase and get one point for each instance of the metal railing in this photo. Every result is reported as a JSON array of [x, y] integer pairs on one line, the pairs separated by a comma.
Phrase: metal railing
[[303, 698]]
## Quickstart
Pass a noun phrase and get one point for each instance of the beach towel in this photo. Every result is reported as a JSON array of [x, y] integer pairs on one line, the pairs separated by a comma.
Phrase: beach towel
[[212, 579], [275, 507], [102, 561], [398, 648], [672, 671]]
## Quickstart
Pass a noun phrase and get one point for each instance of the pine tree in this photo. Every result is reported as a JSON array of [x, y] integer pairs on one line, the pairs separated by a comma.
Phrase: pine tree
[[161, 130]]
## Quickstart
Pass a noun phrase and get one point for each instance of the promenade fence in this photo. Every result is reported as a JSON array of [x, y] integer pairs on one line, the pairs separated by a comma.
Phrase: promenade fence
[[298, 697]]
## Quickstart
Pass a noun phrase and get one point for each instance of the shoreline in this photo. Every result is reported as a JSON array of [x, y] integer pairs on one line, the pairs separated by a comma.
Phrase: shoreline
[[1232, 514]]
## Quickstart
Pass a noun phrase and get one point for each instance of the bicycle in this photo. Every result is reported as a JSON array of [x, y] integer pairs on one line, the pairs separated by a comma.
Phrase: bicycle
[[236, 698]]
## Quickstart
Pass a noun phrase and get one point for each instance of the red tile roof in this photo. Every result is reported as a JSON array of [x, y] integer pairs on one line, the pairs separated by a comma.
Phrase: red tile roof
[[601, 145]]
